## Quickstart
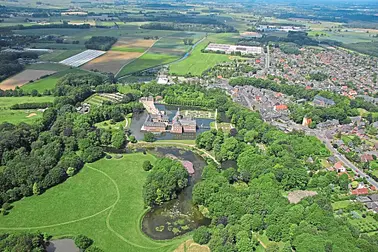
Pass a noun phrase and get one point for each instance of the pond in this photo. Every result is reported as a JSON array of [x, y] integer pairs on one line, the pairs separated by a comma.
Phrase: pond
[[177, 216], [62, 245], [170, 110]]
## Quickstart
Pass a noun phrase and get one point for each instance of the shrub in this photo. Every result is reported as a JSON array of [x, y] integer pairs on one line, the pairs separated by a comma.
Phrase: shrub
[[147, 165], [202, 235], [83, 242]]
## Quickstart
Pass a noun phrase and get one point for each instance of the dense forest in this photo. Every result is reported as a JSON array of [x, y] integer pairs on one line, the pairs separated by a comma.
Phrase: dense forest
[[39, 156], [103, 43]]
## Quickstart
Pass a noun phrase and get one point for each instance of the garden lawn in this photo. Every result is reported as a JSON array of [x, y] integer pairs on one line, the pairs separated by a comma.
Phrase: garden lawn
[[104, 202], [340, 204]]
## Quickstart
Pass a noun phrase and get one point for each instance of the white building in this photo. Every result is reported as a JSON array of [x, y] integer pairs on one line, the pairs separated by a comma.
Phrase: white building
[[228, 49]]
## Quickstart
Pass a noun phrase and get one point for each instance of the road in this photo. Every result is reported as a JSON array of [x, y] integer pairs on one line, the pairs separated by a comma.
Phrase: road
[[343, 159], [320, 135]]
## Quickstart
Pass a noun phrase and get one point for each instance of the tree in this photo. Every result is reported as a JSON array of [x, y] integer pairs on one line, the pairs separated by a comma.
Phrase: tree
[[118, 139], [250, 136], [132, 139], [5, 208], [164, 181], [106, 137], [70, 171], [83, 242], [202, 235], [149, 137], [94, 249], [36, 189], [147, 165]]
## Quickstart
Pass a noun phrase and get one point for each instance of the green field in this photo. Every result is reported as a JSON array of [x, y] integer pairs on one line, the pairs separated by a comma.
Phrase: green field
[[48, 82], [147, 60], [104, 201], [128, 49], [198, 62], [59, 55], [17, 116]]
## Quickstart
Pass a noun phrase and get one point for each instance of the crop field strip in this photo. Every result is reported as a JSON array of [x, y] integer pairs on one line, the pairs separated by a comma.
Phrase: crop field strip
[[82, 58]]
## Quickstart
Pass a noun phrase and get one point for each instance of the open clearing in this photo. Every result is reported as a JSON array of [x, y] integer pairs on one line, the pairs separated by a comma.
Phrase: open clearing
[[111, 61], [23, 78], [296, 196], [104, 201], [17, 116]]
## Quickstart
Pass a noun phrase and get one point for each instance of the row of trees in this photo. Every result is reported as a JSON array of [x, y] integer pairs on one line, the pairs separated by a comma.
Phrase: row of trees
[[103, 43], [218, 28]]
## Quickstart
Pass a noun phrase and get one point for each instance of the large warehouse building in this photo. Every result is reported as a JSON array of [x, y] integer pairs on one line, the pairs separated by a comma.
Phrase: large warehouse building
[[229, 49]]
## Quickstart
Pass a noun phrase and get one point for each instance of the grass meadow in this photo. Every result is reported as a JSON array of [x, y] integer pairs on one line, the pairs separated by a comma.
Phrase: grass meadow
[[198, 62], [146, 61], [103, 201], [18, 116]]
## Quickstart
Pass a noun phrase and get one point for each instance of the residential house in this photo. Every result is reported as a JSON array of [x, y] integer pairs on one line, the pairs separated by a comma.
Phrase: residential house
[[366, 158], [322, 101]]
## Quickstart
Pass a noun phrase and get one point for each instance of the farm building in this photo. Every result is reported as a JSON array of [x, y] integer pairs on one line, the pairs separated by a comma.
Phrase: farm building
[[229, 49]]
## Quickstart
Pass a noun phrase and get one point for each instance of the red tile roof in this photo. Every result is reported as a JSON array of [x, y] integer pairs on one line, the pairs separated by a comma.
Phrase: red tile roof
[[360, 191], [280, 107]]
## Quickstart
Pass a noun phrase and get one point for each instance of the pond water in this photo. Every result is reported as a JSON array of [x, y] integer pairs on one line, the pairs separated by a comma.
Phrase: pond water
[[177, 216], [138, 120]]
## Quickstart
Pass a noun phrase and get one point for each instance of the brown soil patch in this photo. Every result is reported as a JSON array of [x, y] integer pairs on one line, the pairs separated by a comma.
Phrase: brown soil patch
[[296, 196], [191, 246], [23, 78], [111, 61], [142, 43], [31, 115]]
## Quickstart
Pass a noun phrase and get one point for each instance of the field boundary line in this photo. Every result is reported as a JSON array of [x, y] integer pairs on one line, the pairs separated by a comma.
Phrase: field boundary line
[[72, 221], [146, 51]]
